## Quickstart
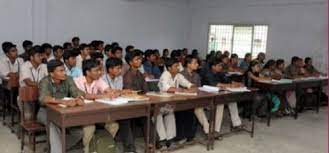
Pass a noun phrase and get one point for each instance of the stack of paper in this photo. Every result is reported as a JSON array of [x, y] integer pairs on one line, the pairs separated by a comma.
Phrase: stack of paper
[[160, 94], [209, 89], [241, 89], [116, 101], [186, 93], [282, 81]]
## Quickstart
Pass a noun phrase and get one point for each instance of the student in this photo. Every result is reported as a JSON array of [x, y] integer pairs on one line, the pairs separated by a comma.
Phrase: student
[[293, 71], [97, 88], [117, 52], [129, 48], [234, 63], [99, 46], [47, 48], [99, 57], [226, 63], [165, 55], [226, 53], [280, 67], [67, 46], [57, 53], [310, 69], [177, 55], [113, 76], [10, 62], [133, 79], [84, 54], [244, 65], [69, 58], [170, 81], [150, 66], [75, 42], [216, 77], [27, 45], [185, 120], [52, 89], [195, 53], [261, 59]]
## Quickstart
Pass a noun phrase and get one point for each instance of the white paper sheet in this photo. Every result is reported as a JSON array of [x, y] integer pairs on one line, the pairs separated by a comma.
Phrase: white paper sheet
[[242, 89], [116, 101], [212, 89]]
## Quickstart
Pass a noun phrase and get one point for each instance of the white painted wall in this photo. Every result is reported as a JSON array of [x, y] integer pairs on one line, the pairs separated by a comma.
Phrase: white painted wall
[[295, 27]]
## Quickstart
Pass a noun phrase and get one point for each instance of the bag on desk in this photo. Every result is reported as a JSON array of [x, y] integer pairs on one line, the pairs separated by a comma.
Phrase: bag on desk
[[102, 142]]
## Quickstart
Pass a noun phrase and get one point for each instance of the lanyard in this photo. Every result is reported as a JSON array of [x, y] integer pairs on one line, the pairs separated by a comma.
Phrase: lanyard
[[33, 75], [86, 89], [10, 65]]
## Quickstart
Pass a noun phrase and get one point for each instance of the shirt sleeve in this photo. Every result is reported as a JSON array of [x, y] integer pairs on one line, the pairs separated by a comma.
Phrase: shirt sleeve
[[164, 82], [183, 82], [44, 91], [102, 85], [74, 91], [4, 68], [147, 67], [25, 73]]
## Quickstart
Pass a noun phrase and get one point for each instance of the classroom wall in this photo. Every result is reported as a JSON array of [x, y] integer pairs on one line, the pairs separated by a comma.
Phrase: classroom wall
[[143, 23], [296, 27]]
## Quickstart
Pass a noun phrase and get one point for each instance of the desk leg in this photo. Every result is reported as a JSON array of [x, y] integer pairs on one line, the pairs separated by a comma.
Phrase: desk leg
[[47, 131], [318, 99], [148, 127], [12, 113], [212, 125], [252, 119], [298, 99], [153, 143], [63, 139], [269, 113], [209, 136]]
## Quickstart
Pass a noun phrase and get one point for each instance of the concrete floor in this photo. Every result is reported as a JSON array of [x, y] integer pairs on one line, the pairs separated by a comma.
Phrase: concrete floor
[[308, 134]]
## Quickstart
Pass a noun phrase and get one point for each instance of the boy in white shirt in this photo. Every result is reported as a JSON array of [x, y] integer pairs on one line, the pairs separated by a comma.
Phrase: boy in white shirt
[[170, 81]]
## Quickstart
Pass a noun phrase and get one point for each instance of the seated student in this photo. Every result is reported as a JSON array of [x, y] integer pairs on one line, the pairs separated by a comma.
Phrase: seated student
[[170, 81], [133, 79], [57, 53], [75, 42], [69, 58], [84, 54], [126, 66], [294, 70], [99, 57], [30, 74], [244, 65], [226, 53], [165, 55], [269, 72], [216, 77], [310, 69], [185, 121], [234, 63], [113, 76], [97, 88], [280, 67], [177, 54], [128, 49], [117, 52], [195, 53], [10, 62], [52, 89], [47, 48], [150, 66], [226, 63], [27, 45], [67, 46], [99, 46], [107, 52], [261, 59]]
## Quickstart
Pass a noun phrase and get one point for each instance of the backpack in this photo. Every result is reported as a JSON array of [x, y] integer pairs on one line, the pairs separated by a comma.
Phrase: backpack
[[102, 142]]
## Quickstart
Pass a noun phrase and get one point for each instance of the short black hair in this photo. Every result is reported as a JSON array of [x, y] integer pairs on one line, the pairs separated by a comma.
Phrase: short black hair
[[46, 46], [53, 64], [75, 39], [112, 62], [234, 56], [171, 62], [57, 47], [33, 51], [294, 59], [107, 48], [115, 49], [131, 55], [66, 45], [247, 54], [175, 54], [94, 43], [6, 46], [279, 62], [96, 55], [88, 64], [307, 59], [83, 46], [27, 43], [115, 44], [39, 49], [214, 62], [68, 54], [188, 60], [149, 53], [129, 47], [269, 63]]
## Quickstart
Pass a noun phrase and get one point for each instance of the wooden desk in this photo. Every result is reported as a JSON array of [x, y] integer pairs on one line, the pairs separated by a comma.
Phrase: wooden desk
[[179, 102], [271, 87], [96, 113]]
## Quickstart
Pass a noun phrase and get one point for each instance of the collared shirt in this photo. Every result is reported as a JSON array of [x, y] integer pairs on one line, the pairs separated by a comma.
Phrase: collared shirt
[[152, 69], [214, 78], [96, 87], [116, 83], [311, 69], [29, 72], [244, 65], [66, 88], [292, 71], [80, 60], [134, 79], [167, 81], [73, 72], [6, 66], [193, 78]]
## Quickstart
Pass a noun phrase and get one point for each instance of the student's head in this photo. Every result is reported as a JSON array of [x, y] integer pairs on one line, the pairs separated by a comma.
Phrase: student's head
[[227, 53], [114, 66], [42, 52], [308, 61], [10, 50], [294, 60], [254, 66], [224, 59], [216, 66], [67, 46], [185, 51], [27, 44], [300, 62], [100, 45], [165, 53], [157, 52], [97, 56], [35, 56], [69, 58], [75, 41], [134, 59], [150, 55], [91, 69], [117, 52], [195, 53], [218, 54], [58, 52], [56, 70], [47, 48], [270, 64], [234, 59], [84, 49], [129, 48], [115, 44], [176, 54], [247, 57], [172, 65], [191, 62], [107, 50], [261, 57], [280, 64]]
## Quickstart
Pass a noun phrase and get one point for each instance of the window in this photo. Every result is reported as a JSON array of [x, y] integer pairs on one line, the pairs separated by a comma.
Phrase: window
[[238, 39]]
